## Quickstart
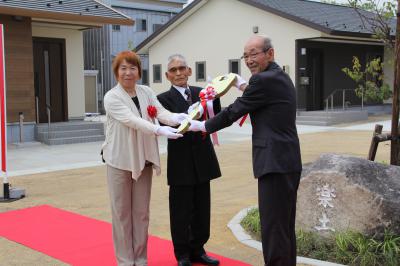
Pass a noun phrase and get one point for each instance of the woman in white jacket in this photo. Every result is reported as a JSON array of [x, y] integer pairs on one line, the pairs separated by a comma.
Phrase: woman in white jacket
[[131, 153]]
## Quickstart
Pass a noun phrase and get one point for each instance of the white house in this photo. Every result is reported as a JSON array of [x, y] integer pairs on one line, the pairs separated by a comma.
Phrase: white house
[[313, 41]]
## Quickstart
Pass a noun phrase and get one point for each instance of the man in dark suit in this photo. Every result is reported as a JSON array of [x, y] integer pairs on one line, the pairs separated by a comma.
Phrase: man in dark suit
[[192, 163], [270, 99]]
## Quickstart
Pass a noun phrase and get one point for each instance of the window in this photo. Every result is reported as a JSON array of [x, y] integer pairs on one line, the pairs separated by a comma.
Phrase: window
[[157, 73], [145, 77], [116, 27], [234, 66], [141, 25], [200, 71], [156, 27]]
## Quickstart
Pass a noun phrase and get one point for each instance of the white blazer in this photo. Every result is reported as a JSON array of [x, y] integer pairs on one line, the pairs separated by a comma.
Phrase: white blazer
[[130, 139]]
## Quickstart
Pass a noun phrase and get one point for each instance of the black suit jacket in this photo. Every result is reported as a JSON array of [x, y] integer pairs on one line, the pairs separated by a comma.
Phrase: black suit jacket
[[270, 99], [191, 159]]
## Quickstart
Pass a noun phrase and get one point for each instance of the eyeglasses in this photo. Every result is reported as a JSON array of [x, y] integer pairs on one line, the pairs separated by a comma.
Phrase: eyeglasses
[[254, 55], [175, 69]]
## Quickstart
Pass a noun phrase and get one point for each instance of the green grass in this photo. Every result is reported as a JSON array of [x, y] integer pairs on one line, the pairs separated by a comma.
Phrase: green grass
[[348, 248], [251, 223]]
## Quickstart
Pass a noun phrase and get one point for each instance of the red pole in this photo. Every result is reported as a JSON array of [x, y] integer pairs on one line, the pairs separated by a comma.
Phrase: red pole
[[3, 133], [3, 117]]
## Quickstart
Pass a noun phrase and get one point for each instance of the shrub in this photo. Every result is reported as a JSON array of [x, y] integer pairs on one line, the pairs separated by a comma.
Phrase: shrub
[[251, 223], [349, 248]]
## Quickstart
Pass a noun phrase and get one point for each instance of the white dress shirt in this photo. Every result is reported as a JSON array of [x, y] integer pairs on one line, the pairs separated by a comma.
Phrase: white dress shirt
[[182, 91]]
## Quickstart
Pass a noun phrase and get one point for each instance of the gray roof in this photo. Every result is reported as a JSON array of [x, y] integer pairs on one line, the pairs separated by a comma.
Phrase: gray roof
[[329, 18], [73, 8], [169, 6], [175, 1]]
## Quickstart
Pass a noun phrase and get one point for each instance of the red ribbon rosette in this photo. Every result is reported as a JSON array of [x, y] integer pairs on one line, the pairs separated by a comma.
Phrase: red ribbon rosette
[[152, 112], [207, 95]]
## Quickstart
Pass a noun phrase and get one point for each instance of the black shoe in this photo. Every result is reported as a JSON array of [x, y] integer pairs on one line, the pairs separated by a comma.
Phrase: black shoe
[[184, 262], [205, 259]]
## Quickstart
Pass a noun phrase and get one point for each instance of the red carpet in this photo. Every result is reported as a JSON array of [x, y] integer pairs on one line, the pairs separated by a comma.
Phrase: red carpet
[[76, 239]]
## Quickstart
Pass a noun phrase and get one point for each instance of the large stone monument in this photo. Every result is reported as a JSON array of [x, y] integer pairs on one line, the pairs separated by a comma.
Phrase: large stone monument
[[339, 193]]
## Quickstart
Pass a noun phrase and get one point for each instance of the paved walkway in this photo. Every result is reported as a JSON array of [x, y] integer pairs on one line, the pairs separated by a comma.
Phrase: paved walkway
[[32, 158], [72, 177]]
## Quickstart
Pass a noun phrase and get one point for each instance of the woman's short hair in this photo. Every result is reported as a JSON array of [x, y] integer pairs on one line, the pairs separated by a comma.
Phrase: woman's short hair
[[128, 56]]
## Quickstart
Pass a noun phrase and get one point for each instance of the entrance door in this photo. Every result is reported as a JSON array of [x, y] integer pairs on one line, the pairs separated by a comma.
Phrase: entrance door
[[50, 79], [315, 89]]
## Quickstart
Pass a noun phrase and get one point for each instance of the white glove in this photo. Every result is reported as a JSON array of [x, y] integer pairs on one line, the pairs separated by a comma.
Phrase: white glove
[[179, 118], [197, 126], [194, 106], [240, 83], [168, 132]]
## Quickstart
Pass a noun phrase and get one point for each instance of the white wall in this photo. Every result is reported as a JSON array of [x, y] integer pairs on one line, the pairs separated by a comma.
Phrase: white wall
[[74, 58], [217, 33]]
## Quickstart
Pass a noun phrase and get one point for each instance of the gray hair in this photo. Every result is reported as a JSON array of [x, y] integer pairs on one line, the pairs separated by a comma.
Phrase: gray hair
[[176, 57], [267, 42]]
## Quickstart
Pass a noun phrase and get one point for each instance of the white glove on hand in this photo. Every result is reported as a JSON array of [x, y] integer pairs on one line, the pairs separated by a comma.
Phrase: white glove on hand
[[194, 106], [168, 132], [197, 126], [240, 83], [179, 118]]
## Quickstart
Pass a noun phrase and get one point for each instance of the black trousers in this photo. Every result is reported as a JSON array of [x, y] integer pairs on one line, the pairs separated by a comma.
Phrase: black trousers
[[189, 208], [277, 195]]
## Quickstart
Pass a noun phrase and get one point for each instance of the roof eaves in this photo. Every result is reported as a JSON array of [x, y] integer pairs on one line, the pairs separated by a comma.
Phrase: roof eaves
[[144, 6], [351, 34], [175, 1], [63, 16], [59, 15], [68, 24], [176, 18], [116, 11]]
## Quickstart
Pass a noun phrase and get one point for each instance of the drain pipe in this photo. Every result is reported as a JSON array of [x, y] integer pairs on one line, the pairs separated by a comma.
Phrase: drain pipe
[[21, 127]]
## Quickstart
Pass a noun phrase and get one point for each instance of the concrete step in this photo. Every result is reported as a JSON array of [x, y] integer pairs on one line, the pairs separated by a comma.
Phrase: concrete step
[[313, 123], [70, 133], [67, 126], [323, 118], [329, 113], [60, 141], [314, 118], [312, 113]]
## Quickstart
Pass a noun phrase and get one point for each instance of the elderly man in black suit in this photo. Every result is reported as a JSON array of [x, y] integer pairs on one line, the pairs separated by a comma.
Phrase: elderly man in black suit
[[192, 163], [270, 99]]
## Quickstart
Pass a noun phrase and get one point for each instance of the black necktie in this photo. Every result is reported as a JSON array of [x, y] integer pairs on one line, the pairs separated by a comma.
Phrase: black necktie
[[189, 96]]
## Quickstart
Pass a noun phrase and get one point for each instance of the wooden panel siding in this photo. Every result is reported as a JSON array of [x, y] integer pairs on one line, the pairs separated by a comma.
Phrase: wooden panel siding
[[19, 68]]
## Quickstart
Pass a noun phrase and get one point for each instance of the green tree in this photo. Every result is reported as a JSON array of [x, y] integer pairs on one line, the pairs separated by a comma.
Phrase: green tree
[[370, 83], [380, 20]]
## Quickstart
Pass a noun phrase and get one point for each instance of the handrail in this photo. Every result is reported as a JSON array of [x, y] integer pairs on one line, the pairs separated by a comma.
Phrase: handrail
[[48, 108], [37, 109], [330, 98]]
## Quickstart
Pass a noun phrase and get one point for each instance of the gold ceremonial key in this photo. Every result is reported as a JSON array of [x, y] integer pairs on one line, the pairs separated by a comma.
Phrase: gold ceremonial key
[[221, 85]]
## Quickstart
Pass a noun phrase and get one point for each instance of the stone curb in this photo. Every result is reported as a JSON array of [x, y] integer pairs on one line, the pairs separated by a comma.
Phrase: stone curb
[[246, 239]]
